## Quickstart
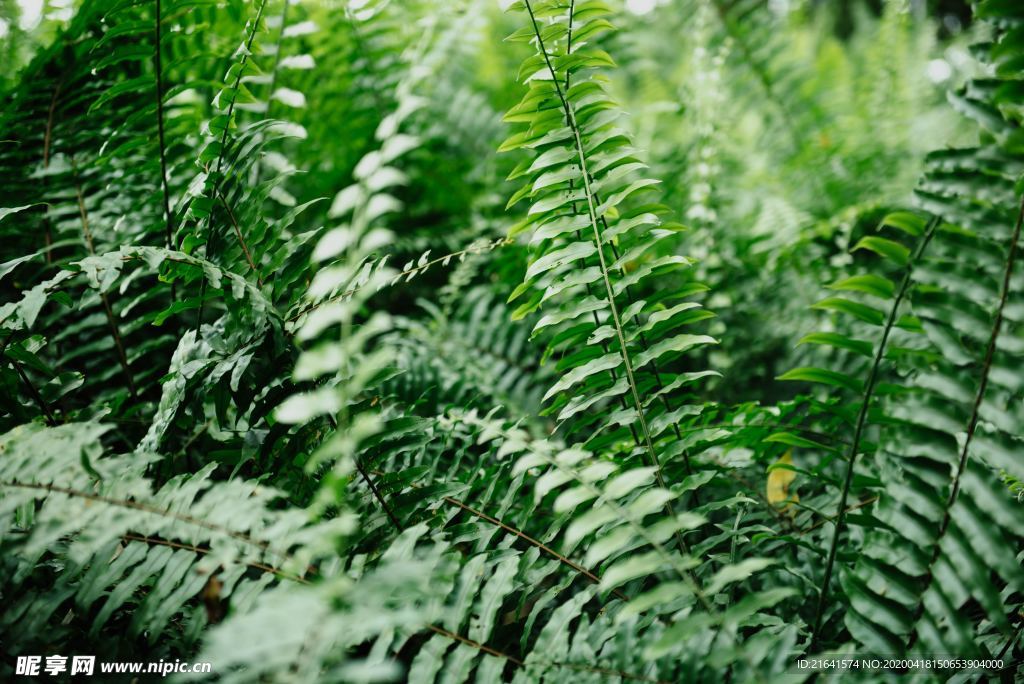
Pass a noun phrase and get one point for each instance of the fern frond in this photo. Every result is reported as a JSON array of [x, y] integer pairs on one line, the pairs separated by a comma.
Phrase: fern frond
[[96, 501], [582, 157], [941, 535]]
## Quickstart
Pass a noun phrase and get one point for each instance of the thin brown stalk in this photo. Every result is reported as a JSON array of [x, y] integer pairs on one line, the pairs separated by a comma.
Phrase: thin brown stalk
[[534, 542], [373, 487], [159, 70], [377, 495], [47, 140], [137, 506], [475, 644], [122, 357], [540, 545], [241, 240], [50, 419], [154, 541]]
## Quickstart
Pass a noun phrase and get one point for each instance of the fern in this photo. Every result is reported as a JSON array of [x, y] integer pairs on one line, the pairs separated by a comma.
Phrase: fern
[[583, 157], [917, 569], [126, 533]]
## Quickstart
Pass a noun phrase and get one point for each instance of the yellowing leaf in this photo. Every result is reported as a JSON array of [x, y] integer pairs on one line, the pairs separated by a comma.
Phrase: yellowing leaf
[[780, 478]]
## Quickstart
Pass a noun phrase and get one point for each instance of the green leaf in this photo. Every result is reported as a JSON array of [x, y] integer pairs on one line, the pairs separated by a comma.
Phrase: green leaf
[[877, 286], [838, 341], [883, 247], [909, 223], [7, 211], [864, 312], [737, 573], [823, 376]]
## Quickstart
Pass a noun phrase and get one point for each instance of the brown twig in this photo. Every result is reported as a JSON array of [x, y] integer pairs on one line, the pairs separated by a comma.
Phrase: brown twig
[[35, 393], [137, 506], [204, 551], [122, 357], [540, 545], [241, 240], [377, 495], [158, 70], [47, 140]]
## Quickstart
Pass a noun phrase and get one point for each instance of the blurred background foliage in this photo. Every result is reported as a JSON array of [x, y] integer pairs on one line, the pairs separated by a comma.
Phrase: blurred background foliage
[[781, 132]]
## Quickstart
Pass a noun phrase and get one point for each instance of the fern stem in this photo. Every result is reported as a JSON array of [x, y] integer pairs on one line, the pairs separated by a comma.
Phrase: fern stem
[[202, 551], [627, 363], [377, 495], [47, 141], [869, 390], [273, 77], [370, 483], [138, 506], [986, 368], [48, 136], [241, 239], [615, 255], [522, 535], [570, 119], [972, 422], [159, 70], [50, 419], [122, 357], [223, 145], [626, 290], [540, 545], [579, 235], [654, 365], [475, 644], [234, 89], [478, 248]]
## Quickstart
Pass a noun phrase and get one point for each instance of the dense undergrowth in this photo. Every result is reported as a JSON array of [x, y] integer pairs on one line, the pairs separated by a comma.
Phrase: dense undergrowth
[[438, 341]]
